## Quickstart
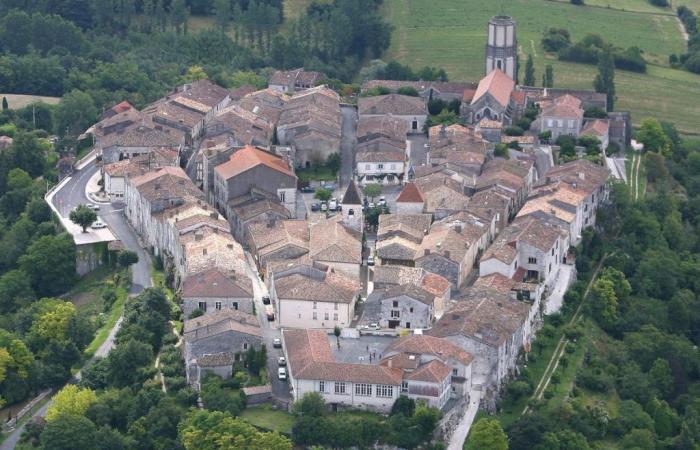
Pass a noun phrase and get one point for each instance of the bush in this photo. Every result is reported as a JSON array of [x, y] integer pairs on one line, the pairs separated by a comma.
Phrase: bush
[[523, 123], [519, 389], [407, 90], [555, 40], [513, 131]]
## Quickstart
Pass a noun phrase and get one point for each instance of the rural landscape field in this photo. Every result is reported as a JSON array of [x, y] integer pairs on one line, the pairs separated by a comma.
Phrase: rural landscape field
[[452, 34]]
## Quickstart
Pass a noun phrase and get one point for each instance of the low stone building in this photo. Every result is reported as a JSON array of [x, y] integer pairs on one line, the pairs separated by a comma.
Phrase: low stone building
[[334, 245], [562, 116], [289, 81], [214, 342], [410, 200], [115, 174], [407, 306], [135, 141], [212, 291], [398, 237], [412, 110]]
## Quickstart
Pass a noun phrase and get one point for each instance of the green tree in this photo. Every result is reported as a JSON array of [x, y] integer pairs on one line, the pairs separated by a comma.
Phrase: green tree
[[70, 400], [372, 190], [652, 135], [661, 373], [310, 405], [76, 112], [127, 258], [336, 332], [15, 291], [126, 360], [206, 430], [333, 162], [403, 405], [194, 73], [605, 80], [222, 13], [548, 76], [83, 217], [50, 264], [69, 432], [487, 434], [639, 440], [179, 14], [5, 106], [529, 72], [323, 194], [604, 302]]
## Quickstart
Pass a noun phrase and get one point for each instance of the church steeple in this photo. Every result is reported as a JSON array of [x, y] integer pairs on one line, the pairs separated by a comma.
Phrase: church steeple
[[502, 46]]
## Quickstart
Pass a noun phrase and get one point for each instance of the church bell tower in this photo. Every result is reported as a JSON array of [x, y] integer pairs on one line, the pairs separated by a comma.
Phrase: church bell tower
[[502, 46]]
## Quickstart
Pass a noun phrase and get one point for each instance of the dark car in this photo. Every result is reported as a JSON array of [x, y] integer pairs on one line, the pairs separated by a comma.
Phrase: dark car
[[307, 190], [266, 300], [315, 207]]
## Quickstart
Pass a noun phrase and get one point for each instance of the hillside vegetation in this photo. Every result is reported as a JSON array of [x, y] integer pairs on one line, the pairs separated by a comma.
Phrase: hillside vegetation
[[452, 34]]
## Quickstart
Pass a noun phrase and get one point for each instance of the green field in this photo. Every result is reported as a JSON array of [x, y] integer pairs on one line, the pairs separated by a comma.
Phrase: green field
[[452, 34], [16, 101]]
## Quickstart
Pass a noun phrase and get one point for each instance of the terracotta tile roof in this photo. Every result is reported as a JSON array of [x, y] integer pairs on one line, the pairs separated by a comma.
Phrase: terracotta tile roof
[[529, 230], [314, 285], [267, 103], [410, 194], [580, 174], [518, 97], [208, 248], [213, 283], [141, 136], [310, 358], [431, 345], [491, 124], [498, 85], [219, 322], [444, 241], [166, 182], [409, 290], [486, 316], [596, 127], [215, 360], [330, 241], [394, 128], [246, 127], [295, 76], [417, 224], [267, 236], [249, 157], [255, 206], [563, 106], [380, 156], [559, 200], [239, 93], [352, 195], [396, 104], [496, 281], [435, 284], [202, 91], [313, 111], [432, 372]]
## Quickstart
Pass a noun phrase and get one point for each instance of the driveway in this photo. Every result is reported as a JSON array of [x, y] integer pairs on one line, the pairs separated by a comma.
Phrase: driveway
[[348, 144]]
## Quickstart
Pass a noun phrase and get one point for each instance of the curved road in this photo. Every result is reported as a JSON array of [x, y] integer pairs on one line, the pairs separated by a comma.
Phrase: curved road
[[67, 198]]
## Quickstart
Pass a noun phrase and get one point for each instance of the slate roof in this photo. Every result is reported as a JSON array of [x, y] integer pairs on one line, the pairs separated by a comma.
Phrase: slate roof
[[396, 104], [352, 195], [212, 283]]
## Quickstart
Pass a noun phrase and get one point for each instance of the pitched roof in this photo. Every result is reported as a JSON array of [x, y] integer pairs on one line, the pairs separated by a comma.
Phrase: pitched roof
[[485, 315], [596, 127], [165, 182], [496, 83], [307, 285], [410, 194], [563, 106], [352, 195], [296, 76], [394, 128], [219, 322], [425, 344], [310, 358], [396, 104], [331, 241], [212, 283], [380, 156], [580, 174], [432, 372], [249, 157], [409, 290]]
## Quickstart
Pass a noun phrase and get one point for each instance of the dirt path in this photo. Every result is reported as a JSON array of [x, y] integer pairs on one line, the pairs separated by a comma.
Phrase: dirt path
[[561, 345], [634, 182]]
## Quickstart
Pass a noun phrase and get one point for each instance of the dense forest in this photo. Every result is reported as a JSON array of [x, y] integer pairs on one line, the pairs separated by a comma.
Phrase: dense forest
[[138, 50]]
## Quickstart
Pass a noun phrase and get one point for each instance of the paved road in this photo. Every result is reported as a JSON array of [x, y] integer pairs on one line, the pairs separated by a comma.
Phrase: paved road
[[348, 144], [70, 196], [270, 332]]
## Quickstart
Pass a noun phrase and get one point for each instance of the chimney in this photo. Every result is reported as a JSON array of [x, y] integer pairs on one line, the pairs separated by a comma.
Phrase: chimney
[[270, 223], [214, 215], [447, 254], [458, 228], [157, 186], [198, 237], [229, 246], [426, 252], [204, 251]]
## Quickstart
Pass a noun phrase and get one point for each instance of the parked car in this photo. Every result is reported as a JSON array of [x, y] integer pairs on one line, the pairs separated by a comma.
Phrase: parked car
[[93, 206], [372, 326], [333, 204], [281, 361], [315, 207], [270, 313], [96, 225], [371, 205], [324, 206], [370, 260], [329, 186], [282, 374], [307, 190], [277, 343], [266, 299]]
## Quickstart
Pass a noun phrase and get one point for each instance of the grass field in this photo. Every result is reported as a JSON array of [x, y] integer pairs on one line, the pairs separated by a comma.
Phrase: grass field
[[16, 101], [452, 34], [266, 418]]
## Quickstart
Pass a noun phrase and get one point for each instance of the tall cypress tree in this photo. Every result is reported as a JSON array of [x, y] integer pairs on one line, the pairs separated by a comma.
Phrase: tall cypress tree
[[529, 72], [548, 77], [605, 80], [5, 105]]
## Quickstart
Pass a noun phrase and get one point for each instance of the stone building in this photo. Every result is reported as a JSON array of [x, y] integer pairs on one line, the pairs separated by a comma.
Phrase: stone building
[[502, 46], [407, 306], [212, 291], [289, 81], [412, 110]]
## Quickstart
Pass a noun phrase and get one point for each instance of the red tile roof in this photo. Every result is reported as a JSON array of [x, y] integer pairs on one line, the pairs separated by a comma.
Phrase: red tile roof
[[249, 157], [410, 194], [498, 84]]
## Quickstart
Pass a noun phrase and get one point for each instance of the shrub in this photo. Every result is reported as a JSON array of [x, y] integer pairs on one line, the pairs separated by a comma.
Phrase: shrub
[[407, 90], [555, 40], [513, 131]]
